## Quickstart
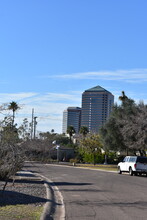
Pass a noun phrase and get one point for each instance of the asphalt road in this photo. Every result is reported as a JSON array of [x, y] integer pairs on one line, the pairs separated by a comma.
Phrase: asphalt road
[[97, 195]]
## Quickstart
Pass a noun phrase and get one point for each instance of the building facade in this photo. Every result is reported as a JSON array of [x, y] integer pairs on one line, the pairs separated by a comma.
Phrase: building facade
[[72, 117], [96, 107]]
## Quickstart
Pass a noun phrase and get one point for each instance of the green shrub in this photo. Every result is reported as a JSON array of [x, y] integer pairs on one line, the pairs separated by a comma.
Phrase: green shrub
[[93, 158]]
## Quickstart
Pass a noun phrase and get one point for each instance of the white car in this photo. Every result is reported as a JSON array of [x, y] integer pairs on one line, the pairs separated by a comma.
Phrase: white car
[[133, 165]]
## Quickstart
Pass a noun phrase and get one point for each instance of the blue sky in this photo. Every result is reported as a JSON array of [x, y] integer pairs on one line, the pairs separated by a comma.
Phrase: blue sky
[[53, 50]]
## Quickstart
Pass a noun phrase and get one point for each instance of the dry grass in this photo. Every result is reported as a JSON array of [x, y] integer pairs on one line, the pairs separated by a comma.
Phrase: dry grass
[[107, 167], [23, 212]]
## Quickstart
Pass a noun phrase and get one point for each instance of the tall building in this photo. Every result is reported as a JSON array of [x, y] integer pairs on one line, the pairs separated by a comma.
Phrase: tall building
[[72, 116], [96, 107]]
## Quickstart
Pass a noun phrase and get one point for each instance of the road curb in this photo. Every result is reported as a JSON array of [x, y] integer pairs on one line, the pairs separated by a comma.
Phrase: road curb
[[49, 206], [46, 215]]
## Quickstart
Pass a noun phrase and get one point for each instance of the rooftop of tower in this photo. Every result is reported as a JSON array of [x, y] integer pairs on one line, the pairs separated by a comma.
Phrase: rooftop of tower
[[74, 108], [97, 89]]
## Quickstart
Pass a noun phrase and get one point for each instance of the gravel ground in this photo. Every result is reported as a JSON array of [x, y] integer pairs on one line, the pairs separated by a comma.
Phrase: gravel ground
[[27, 189]]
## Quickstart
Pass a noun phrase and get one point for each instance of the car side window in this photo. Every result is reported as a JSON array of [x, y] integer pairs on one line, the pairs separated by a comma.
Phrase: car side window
[[127, 159], [124, 160], [134, 160], [131, 159]]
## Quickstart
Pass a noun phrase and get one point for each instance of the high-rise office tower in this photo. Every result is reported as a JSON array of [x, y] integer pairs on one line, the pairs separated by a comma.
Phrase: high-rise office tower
[[72, 117], [96, 107]]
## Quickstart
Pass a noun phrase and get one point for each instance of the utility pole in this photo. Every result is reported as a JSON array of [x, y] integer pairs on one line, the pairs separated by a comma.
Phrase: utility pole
[[35, 123], [32, 124]]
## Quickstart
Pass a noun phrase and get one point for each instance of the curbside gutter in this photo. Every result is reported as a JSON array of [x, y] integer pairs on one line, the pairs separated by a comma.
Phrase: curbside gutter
[[46, 215], [55, 204]]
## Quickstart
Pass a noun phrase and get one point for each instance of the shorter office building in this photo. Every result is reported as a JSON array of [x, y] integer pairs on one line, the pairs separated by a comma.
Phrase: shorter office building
[[72, 117]]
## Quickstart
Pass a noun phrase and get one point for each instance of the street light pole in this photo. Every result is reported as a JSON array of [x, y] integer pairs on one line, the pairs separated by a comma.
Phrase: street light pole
[[57, 147]]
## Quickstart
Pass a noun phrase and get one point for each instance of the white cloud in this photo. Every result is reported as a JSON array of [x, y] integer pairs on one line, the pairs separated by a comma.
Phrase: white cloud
[[8, 97], [48, 107], [132, 75]]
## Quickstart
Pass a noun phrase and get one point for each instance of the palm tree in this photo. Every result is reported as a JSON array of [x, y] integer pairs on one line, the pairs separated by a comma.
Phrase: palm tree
[[84, 130], [123, 97], [52, 131], [14, 107], [70, 131]]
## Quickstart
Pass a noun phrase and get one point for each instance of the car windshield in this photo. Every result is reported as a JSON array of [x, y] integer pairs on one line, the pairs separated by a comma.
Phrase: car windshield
[[142, 159]]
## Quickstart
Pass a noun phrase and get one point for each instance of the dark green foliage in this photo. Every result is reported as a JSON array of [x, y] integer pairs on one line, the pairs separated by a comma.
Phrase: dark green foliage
[[111, 136], [84, 130], [89, 147], [70, 131], [112, 158], [93, 158], [62, 140], [126, 129], [14, 107]]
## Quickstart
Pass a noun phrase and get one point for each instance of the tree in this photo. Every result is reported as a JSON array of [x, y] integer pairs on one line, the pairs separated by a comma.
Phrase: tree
[[112, 131], [91, 145], [84, 131], [7, 134], [11, 153], [70, 131], [24, 130], [11, 160], [14, 107], [62, 139], [123, 97], [126, 128], [134, 130], [111, 135], [52, 131]]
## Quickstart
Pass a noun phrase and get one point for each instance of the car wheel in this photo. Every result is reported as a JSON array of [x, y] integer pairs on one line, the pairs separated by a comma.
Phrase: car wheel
[[130, 171], [119, 170]]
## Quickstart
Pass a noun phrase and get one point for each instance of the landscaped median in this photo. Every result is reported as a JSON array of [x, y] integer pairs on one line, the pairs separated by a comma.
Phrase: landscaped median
[[108, 167], [24, 199]]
